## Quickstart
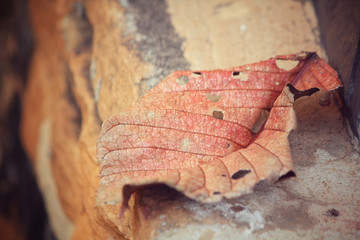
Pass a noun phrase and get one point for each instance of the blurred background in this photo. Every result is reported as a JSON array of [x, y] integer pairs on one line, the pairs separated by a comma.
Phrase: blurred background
[[66, 65], [22, 211]]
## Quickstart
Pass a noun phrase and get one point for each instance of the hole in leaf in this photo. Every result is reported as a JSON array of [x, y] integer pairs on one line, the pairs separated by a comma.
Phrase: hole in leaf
[[213, 98], [286, 64], [218, 115], [195, 75], [263, 116], [302, 55], [216, 193], [182, 80], [223, 175], [240, 75], [297, 94], [332, 213], [289, 174], [239, 174]]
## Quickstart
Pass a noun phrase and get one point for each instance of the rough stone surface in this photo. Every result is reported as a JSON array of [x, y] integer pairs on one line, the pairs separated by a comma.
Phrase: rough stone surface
[[320, 203], [338, 22], [93, 59]]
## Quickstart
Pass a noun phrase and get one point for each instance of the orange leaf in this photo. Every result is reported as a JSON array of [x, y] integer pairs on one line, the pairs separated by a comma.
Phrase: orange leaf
[[203, 133]]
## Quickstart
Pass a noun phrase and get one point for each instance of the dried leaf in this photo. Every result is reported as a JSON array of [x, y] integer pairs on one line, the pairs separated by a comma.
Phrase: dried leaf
[[193, 131]]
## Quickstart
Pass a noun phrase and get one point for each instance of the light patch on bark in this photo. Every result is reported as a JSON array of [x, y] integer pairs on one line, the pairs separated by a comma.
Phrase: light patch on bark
[[246, 223], [219, 34], [323, 156], [60, 224]]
